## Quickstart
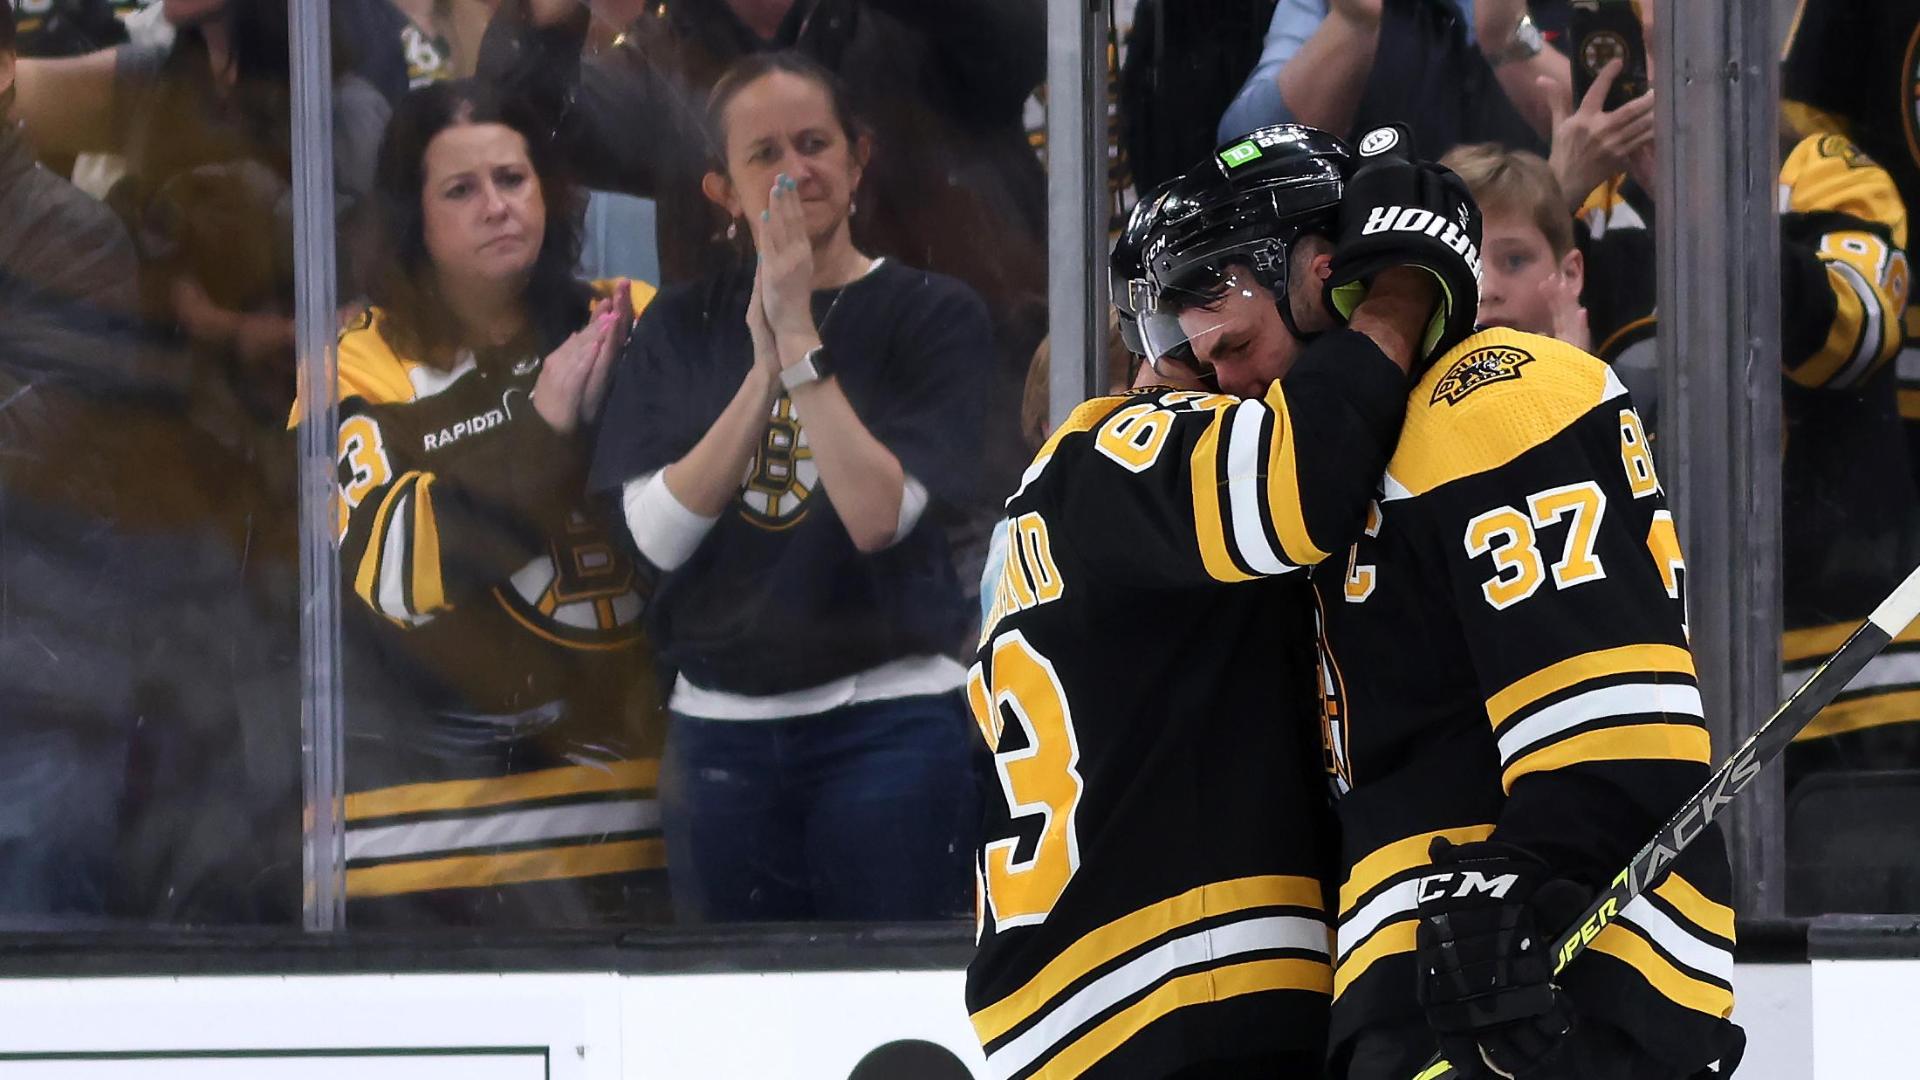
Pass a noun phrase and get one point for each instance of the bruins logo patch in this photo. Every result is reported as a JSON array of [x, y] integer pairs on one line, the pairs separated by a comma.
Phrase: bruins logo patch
[[1839, 146], [1492, 364]]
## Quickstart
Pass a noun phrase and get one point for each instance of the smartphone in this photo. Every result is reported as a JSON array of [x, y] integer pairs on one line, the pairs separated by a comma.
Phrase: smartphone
[[1602, 31]]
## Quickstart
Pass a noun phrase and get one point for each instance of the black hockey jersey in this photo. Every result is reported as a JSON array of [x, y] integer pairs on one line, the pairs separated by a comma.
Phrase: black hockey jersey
[[503, 725], [1151, 869], [1848, 489], [1504, 654]]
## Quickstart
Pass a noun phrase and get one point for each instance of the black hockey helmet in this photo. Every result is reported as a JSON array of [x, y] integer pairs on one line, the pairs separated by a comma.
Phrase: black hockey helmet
[[1244, 206]]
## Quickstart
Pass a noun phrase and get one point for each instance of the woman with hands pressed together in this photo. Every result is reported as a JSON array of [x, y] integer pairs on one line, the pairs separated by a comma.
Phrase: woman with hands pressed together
[[504, 727], [783, 437]]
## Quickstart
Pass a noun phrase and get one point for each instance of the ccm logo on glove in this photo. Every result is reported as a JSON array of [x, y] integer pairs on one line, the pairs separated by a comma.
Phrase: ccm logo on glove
[[1435, 887], [1414, 219]]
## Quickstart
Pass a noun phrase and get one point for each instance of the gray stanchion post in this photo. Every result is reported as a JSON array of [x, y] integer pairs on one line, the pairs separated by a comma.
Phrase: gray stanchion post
[[323, 892], [1076, 201], [1719, 299]]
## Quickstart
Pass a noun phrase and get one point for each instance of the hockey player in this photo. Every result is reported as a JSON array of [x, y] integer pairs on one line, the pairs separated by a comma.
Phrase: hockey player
[[1151, 873], [1509, 711]]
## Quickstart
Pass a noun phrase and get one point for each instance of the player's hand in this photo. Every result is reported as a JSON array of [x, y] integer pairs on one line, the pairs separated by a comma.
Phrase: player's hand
[[1590, 144], [1400, 212], [1485, 969]]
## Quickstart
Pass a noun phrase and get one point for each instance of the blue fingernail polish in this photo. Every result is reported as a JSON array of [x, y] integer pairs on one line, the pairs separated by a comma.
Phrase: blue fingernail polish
[[763, 215]]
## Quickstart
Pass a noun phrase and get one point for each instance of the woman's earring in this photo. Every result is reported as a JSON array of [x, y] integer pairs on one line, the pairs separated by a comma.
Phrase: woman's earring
[[853, 207], [733, 228]]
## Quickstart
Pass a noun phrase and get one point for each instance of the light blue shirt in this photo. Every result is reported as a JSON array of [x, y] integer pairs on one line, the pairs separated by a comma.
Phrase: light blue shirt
[[1259, 103]]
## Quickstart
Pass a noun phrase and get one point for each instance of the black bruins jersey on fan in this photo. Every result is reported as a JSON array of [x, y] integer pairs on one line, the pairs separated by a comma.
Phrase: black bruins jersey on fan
[[1847, 485], [1151, 876], [503, 724], [1504, 654]]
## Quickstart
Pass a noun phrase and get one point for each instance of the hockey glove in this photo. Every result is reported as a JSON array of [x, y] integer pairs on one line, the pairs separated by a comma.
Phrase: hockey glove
[[1486, 974], [1400, 212]]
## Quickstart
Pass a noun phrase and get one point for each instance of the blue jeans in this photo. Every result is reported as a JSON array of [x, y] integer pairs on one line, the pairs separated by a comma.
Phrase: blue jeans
[[863, 812]]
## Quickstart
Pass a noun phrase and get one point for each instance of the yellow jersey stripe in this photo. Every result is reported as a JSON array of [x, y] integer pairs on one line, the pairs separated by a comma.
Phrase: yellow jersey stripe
[[366, 581], [1283, 488], [1390, 940], [429, 585], [1713, 917], [1843, 337], [1632, 742], [1207, 528], [1621, 943], [1614, 339], [1085, 417], [1624, 660], [1397, 858], [1909, 404], [473, 871], [1133, 930], [640, 774], [1818, 642], [1196, 988], [1862, 713]]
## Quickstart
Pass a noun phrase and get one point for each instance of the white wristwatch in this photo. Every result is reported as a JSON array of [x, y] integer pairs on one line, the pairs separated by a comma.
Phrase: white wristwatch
[[810, 368]]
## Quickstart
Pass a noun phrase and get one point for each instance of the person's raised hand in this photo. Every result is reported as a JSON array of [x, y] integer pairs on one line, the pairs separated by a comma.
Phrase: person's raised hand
[[766, 349], [1590, 144], [618, 309], [559, 393], [786, 262], [1569, 318]]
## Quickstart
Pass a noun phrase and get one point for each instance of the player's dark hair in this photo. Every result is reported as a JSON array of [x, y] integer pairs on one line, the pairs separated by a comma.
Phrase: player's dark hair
[[755, 66], [406, 287]]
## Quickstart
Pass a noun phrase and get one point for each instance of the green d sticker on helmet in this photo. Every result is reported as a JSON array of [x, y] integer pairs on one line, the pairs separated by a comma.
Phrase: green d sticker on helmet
[[1239, 154]]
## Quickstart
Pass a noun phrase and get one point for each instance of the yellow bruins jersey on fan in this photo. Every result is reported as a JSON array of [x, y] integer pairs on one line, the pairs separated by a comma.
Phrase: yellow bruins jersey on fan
[[1155, 839], [1853, 68], [1504, 654], [503, 725], [1847, 484]]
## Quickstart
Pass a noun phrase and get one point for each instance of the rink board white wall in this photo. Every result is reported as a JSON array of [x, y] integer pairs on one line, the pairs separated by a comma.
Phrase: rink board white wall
[[1827, 1020]]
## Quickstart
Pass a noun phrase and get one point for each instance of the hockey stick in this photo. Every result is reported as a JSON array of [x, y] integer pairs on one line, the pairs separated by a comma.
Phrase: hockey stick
[[1729, 780]]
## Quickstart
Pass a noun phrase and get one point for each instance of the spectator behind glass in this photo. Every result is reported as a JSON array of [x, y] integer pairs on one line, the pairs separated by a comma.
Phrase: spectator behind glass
[[206, 127], [1184, 61], [66, 269], [953, 185], [1531, 271], [1851, 521], [498, 666], [1452, 70], [783, 436]]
